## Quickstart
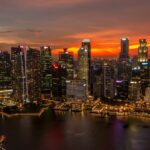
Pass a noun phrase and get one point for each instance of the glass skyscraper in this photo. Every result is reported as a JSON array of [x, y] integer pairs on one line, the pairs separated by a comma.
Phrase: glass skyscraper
[[46, 75], [124, 54], [66, 59]]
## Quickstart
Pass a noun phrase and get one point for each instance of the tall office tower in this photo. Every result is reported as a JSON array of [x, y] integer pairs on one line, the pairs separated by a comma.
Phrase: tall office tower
[[83, 67], [121, 89], [134, 92], [123, 79], [86, 44], [124, 66], [124, 75], [124, 49], [46, 74], [97, 87], [134, 61], [144, 64], [96, 78], [5, 71], [124, 71], [59, 74], [33, 74], [5, 76], [108, 81], [143, 51], [66, 58], [135, 67], [19, 84]]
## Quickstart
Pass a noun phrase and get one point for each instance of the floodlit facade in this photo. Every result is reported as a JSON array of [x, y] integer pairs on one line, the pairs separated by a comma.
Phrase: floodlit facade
[[142, 51], [86, 44], [18, 59], [83, 67], [144, 64]]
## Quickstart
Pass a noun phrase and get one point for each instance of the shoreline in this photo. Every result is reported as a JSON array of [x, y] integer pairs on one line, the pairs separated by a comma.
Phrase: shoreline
[[38, 114], [3, 114]]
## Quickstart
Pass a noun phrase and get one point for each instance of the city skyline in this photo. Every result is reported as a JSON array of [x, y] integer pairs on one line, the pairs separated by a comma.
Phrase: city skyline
[[95, 52], [66, 23], [74, 74]]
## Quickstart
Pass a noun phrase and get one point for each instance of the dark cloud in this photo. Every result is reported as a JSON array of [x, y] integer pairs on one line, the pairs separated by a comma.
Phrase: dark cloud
[[6, 32], [59, 21], [33, 30]]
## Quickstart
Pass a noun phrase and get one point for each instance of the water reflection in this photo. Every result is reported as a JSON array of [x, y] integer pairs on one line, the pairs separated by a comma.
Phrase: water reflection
[[71, 131]]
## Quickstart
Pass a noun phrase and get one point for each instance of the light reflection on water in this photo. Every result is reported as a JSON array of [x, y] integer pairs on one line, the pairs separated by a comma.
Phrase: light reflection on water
[[72, 131]]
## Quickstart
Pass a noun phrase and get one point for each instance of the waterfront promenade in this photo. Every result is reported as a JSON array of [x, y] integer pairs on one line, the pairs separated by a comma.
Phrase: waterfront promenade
[[94, 107], [38, 114]]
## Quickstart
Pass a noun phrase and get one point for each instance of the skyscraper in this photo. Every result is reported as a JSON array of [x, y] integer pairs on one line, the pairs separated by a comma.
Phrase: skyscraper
[[86, 44], [144, 64], [46, 75], [66, 58], [5, 71], [121, 89], [84, 64], [123, 61], [33, 74], [59, 74], [108, 81], [18, 59], [83, 67], [5, 77], [134, 92], [96, 78], [142, 51], [124, 70], [124, 54]]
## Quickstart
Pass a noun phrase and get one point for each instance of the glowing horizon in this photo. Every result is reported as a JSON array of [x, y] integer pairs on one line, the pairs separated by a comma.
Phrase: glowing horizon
[[98, 48]]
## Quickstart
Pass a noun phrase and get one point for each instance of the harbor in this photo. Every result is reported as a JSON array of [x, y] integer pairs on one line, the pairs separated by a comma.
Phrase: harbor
[[139, 109]]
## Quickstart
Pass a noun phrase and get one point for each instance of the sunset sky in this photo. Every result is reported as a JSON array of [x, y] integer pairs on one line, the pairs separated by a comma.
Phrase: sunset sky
[[64, 23]]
